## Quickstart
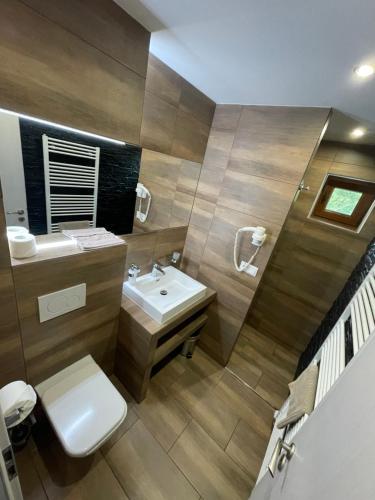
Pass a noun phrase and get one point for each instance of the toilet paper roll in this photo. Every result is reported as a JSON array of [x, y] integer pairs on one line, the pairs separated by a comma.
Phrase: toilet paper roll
[[17, 401], [22, 245], [16, 230]]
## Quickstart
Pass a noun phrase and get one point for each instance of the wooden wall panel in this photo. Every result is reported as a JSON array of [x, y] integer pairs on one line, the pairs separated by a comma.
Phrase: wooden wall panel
[[256, 157], [312, 261], [12, 365], [54, 344], [146, 248], [67, 63], [172, 182], [104, 25], [176, 116]]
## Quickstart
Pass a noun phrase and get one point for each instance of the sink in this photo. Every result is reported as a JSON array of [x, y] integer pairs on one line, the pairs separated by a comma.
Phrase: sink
[[164, 298]]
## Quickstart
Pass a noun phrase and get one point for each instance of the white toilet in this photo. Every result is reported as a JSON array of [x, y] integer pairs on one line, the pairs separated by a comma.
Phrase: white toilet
[[83, 406]]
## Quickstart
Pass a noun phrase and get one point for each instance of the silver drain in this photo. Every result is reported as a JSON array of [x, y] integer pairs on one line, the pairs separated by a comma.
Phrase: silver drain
[[163, 292]]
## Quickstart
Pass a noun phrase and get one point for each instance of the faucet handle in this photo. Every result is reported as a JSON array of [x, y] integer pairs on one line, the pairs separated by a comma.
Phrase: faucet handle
[[134, 270], [175, 257]]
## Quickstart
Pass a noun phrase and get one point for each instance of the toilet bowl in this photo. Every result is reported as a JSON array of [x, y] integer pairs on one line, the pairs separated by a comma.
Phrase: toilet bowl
[[83, 406]]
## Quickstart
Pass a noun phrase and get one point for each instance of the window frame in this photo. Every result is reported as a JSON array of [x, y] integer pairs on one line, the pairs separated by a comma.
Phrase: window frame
[[362, 210]]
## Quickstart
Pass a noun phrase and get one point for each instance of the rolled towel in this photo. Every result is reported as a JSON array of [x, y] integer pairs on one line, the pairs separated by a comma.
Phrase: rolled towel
[[17, 401], [16, 230], [22, 245]]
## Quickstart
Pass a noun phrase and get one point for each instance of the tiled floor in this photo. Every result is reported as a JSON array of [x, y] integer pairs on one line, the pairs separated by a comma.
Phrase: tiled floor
[[200, 433]]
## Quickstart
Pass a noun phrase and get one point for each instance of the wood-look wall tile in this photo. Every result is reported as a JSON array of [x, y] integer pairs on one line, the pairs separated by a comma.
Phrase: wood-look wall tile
[[163, 81], [188, 177], [256, 196], [218, 252], [107, 27], [176, 117], [190, 137], [181, 209], [284, 120], [210, 183], [158, 124], [255, 159], [86, 89], [140, 251], [218, 149], [275, 156], [363, 156], [170, 240], [54, 344], [159, 168], [11, 353], [202, 213], [197, 104], [226, 116]]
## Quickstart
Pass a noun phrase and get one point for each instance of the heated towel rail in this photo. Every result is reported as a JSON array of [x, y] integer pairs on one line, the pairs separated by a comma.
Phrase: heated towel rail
[[71, 172]]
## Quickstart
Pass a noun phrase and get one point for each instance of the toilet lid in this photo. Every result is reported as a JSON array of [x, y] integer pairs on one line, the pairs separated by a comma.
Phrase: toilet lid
[[83, 406]]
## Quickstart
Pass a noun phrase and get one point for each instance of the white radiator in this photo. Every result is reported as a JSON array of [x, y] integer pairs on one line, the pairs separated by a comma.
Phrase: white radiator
[[331, 357], [360, 314], [64, 182]]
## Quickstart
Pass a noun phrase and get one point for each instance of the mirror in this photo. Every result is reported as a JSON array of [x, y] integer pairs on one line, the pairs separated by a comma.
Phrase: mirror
[[54, 178]]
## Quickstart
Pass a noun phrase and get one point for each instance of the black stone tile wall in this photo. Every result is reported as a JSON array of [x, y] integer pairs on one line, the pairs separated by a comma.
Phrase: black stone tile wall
[[118, 177]]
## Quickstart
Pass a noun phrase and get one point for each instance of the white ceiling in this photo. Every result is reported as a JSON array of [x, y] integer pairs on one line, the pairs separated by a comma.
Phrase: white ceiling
[[272, 52]]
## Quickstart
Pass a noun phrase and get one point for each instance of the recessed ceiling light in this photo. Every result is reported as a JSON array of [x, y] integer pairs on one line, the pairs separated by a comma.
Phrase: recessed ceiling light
[[358, 132], [364, 70]]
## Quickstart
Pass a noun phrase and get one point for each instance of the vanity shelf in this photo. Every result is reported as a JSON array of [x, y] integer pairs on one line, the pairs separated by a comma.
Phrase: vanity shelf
[[142, 342]]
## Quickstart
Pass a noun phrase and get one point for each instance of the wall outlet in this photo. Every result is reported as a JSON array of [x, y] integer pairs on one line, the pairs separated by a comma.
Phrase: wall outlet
[[61, 302], [251, 270]]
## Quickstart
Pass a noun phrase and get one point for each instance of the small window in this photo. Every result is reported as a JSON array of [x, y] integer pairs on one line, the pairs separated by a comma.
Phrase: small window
[[344, 202]]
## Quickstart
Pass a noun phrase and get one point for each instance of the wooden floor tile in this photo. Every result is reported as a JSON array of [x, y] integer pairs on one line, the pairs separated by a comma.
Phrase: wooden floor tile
[[215, 416], [208, 467], [244, 369], [201, 375], [130, 419], [79, 478], [247, 448], [31, 485], [272, 389], [246, 403], [145, 470], [162, 415]]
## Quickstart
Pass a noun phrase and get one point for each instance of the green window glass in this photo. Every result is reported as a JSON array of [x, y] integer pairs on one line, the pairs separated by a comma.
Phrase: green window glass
[[343, 201]]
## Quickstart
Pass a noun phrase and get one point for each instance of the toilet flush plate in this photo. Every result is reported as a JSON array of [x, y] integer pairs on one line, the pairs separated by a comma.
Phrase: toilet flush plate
[[61, 302]]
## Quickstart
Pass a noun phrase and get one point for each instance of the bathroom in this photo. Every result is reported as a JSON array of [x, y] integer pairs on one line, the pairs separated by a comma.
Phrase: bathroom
[[187, 250]]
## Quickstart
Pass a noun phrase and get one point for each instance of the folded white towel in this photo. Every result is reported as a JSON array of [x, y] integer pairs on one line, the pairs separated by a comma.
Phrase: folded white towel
[[92, 238], [92, 231], [99, 241]]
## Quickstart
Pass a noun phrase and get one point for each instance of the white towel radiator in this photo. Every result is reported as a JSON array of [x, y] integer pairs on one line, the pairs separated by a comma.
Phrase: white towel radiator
[[64, 181], [351, 331]]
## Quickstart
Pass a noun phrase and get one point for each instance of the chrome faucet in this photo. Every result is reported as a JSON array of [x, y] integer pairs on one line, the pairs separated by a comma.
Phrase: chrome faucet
[[156, 268], [133, 272]]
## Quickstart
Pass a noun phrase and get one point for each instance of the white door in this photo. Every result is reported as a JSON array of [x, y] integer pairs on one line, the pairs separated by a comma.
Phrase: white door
[[335, 448], [11, 171], [10, 488]]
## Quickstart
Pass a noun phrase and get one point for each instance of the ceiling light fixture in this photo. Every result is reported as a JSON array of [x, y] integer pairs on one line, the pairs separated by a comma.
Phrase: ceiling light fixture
[[364, 70], [358, 132]]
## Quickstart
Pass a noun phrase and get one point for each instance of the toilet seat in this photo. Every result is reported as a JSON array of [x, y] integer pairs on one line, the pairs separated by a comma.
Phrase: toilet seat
[[83, 406]]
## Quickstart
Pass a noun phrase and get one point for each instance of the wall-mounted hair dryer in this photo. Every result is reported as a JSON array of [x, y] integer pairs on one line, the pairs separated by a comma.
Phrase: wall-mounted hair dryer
[[257, 239], [142, 194]]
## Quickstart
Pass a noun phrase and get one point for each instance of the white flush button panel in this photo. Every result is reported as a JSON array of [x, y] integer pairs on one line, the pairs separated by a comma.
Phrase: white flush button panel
[[61, 302]]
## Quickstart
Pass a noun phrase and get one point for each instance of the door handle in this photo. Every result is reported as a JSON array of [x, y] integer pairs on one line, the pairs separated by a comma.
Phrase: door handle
[[16, 212], [276, 460]]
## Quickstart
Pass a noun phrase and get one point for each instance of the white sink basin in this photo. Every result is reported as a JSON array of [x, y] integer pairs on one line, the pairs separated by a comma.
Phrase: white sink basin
[[149, 293]]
